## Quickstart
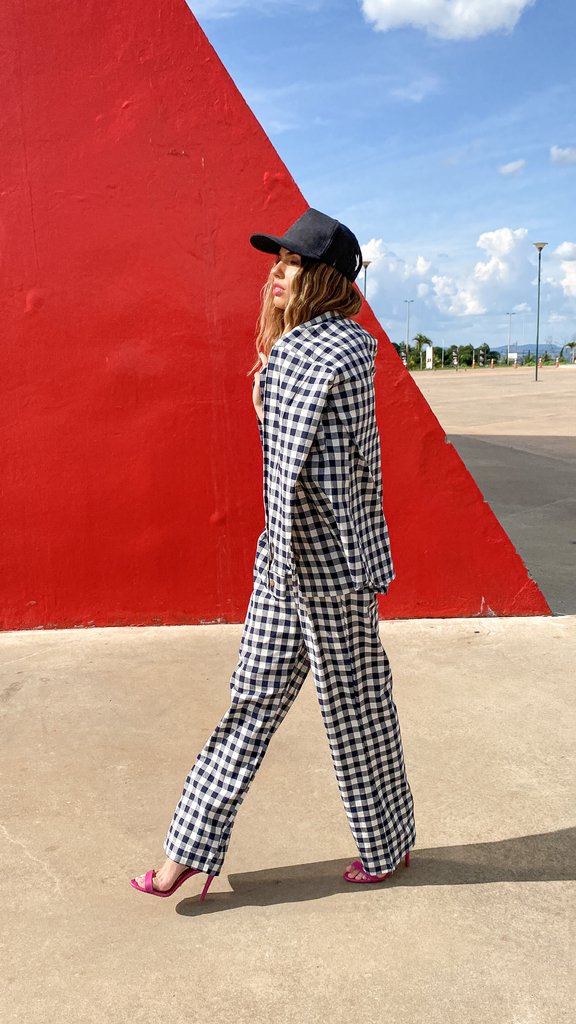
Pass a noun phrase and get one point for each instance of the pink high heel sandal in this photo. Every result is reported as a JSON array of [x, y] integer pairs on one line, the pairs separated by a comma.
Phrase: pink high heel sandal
[[356, 865], [149, 887]]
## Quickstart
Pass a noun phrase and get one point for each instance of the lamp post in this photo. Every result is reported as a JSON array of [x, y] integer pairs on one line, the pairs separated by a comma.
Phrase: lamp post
[[539, 246], [408, 303], [365, 264], [509, 315]]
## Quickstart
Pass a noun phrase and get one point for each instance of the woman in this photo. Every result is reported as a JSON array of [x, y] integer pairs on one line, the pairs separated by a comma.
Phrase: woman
[[321, 560]]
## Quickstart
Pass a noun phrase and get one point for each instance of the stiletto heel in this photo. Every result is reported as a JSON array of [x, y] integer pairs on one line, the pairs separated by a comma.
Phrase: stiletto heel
[[149, 885], [206, 887]]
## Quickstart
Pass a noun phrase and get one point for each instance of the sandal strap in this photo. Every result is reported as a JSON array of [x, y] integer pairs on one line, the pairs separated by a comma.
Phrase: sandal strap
[[357, 865], [149, 887]]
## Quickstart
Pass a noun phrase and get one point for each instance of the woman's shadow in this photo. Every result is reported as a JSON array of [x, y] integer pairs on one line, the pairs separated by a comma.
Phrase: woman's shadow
[[548, 857]]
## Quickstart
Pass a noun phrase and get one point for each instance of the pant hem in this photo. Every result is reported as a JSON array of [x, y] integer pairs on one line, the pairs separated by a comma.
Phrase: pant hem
[[194, 862]]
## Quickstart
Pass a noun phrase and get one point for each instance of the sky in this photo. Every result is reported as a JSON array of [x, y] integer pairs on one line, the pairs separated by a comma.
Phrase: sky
[[442, 132]]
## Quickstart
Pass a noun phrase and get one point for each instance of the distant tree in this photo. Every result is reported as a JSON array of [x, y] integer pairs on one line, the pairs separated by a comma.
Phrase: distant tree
[[414, 359], [421, 340], [572, 346], [466, 354], [452, 356]]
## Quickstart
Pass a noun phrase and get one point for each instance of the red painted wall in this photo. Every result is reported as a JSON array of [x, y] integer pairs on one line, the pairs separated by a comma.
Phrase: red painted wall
[[131, 492]]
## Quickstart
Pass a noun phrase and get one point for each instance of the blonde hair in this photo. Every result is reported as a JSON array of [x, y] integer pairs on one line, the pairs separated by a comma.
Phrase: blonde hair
[[316, 288]]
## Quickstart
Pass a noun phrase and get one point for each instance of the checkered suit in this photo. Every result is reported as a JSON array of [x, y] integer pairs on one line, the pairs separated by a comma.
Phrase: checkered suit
[[322, 460], [320, 561]]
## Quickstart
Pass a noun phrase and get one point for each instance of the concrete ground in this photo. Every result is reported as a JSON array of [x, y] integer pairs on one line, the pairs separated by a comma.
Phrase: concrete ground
[[99, 728]]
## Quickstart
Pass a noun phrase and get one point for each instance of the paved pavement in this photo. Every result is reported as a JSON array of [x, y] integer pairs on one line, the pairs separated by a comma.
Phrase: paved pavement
[[518, 439], [99, 728]]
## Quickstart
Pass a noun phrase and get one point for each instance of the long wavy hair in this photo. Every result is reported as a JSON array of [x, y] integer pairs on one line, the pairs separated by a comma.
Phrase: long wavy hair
[[316, 288]]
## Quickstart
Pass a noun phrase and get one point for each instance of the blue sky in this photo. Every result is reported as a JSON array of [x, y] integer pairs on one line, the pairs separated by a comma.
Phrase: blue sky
[[443, 132]]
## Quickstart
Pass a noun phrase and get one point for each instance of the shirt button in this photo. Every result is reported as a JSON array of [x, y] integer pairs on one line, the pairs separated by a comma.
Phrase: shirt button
[[271, 584]]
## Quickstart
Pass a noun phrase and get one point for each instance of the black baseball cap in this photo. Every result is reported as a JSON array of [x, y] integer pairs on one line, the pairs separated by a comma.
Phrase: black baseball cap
[[318, 237]]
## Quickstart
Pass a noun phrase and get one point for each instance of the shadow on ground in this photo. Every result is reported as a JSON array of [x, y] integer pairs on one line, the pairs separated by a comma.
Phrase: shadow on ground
[[530, 484], [549, 857]]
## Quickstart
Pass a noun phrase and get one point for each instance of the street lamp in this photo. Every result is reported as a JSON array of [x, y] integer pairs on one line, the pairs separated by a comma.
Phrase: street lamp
[[408, 302], [365, 264], [539, 246], [509, 315]]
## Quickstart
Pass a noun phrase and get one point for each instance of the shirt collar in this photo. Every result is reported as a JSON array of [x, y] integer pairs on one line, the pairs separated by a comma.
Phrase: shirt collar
[[296, 332]]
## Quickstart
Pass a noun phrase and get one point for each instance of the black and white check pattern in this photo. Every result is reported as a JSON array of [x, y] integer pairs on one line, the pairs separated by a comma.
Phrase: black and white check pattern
[[337, 637], [321, 450], [320, 561]]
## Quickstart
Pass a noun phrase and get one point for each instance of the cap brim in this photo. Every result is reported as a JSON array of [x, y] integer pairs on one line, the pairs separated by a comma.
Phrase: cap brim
[[266, 243]]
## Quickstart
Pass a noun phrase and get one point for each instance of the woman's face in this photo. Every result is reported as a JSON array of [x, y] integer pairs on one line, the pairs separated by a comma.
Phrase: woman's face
[[283, 273]]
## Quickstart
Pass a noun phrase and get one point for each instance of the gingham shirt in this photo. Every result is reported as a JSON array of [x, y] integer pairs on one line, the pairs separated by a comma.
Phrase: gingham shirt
[[322, 485]]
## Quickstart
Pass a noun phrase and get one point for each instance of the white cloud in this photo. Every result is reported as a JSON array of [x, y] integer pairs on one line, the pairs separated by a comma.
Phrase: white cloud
[[566, 251], [444, 287], [417, 90], [422, 265], [481, 290], [493, 269], [387, 268], [374, 250], [466, 302], [563, 156], [446, 19], [495, 281], [513, 167], [568, 282], [502, 241]]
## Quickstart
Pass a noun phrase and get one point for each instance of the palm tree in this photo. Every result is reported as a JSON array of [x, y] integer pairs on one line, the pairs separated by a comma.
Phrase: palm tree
[[571, 345], [421, 340]]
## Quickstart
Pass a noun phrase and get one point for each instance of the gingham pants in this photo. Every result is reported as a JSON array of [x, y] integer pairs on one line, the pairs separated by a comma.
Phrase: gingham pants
[[337, 637]]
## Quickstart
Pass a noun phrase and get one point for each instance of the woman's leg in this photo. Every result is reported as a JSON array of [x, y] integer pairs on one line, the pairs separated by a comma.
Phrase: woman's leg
[[354, 686], [272, 665]]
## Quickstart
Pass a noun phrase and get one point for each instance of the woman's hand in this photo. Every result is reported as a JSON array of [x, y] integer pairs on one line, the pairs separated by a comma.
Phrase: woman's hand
[[256, 396]]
